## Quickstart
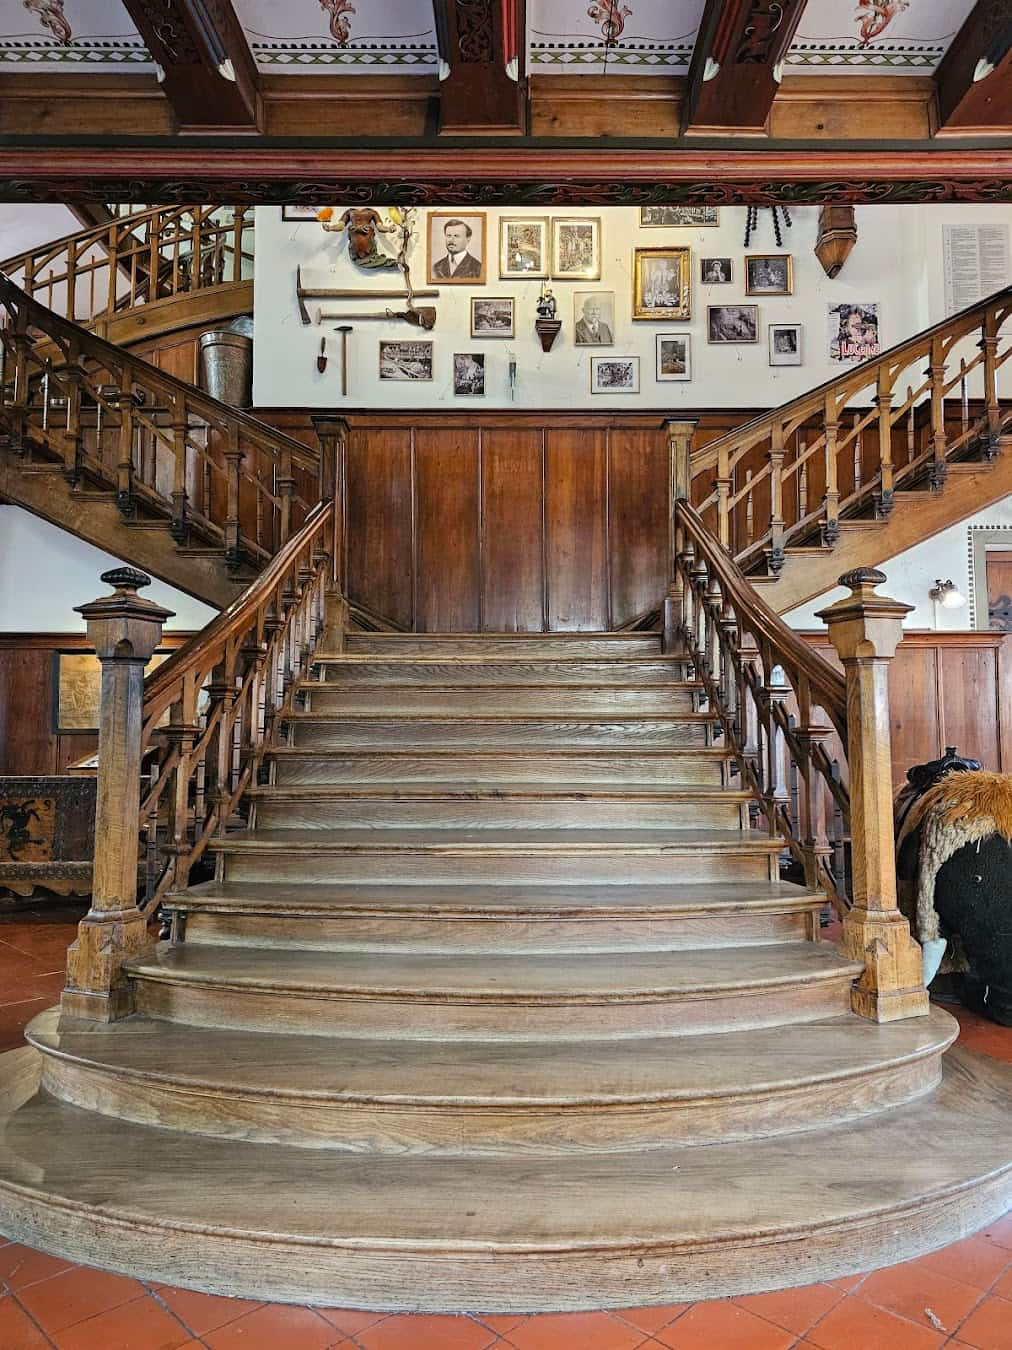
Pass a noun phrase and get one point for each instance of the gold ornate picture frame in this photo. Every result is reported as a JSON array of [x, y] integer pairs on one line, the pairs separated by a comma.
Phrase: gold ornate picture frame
[[662, 283]]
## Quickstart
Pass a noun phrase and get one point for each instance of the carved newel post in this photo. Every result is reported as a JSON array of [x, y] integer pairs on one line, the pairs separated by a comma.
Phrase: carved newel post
[[124, 630], [865, 629]]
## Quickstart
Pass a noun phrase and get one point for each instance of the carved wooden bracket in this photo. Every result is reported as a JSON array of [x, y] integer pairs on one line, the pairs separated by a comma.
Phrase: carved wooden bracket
[[837, 236]]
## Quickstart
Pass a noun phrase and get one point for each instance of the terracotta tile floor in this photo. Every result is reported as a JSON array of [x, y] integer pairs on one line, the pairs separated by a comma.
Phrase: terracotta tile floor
[[959, 1297]]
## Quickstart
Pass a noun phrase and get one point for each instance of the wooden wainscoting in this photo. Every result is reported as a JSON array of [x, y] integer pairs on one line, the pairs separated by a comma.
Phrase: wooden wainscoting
[[29, 740], [947, 689]]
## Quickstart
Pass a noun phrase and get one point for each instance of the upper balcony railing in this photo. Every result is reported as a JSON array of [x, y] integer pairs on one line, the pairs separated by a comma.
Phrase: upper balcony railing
[[137, 259]]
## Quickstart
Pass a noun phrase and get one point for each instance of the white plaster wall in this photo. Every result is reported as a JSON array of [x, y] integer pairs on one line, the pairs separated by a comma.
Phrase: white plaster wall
[[887, 266], [910, 575], [24, 226], [45, 572]]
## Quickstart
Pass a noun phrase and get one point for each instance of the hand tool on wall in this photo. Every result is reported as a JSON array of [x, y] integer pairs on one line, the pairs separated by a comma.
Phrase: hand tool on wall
[[423, 317], [321, 360], [338, 293], [344, 329]]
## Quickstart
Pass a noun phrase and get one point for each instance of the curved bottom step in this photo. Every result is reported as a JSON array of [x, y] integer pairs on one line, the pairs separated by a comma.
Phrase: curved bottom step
[[517, 1235]]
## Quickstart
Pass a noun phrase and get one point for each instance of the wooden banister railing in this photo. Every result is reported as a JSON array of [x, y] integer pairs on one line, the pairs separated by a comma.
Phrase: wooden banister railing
[[198, 727], [136, 259], [166, 448], [811, 744], [845, 447]]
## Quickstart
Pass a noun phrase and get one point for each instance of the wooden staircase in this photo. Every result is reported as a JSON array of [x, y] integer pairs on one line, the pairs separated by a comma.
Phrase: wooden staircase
[[498, 1002]]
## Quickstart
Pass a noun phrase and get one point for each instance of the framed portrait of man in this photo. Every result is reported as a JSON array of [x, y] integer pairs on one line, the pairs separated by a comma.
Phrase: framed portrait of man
[[456, 248], [594, 316]]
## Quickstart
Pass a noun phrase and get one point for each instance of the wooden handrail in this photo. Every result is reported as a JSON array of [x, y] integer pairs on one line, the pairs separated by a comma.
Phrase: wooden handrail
[[768, 691], [165, 447], [132, 260], [792, 474]]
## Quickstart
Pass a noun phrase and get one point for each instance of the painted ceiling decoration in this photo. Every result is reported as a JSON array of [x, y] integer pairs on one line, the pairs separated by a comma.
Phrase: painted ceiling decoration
[[369, 37], [65, 36], [884, 37], [641, 37]]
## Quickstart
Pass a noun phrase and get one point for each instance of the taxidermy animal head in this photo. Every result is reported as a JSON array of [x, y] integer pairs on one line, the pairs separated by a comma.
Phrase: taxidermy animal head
[[963, 831], [362, 225]]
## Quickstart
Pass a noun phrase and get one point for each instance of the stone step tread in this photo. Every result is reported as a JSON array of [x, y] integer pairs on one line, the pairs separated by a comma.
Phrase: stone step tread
[[542, 977], [505, 1073], [508, 899], [801, 1185], [578, 716], [519, 839], [618, 752], [456, 789]]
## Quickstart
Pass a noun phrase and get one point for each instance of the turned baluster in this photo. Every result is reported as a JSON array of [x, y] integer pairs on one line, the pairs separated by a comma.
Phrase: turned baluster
[[865, 629], [72, 377], [124, 629], [680, 435], [831, 497], [179, 527], [884, 404], [713, 608], [938, 468], [17, 416], [125, 401], [233, 470], [990, 436], [286, 488], [728, 637], [687, 600], [699, 575], [810, 734], [748, 712], [221, 693], [181, 733], [71, 282], [775, 555]]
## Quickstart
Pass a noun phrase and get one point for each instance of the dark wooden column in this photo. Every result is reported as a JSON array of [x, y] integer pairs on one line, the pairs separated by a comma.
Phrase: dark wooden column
[[481, 46], [974, 80], [734, 75], [209, 75]]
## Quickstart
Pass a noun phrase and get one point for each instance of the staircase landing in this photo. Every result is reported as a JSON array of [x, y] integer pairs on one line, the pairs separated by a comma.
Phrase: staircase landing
[[498, 1003]]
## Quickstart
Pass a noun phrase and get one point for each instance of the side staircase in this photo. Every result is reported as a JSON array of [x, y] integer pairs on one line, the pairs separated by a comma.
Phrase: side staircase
[[498, 1003]]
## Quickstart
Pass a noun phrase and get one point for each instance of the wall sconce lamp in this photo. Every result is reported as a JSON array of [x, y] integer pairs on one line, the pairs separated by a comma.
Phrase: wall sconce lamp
[[947, 594]]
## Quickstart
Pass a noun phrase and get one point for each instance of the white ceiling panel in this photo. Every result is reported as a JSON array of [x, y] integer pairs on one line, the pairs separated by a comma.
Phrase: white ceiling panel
[[875, 37], [641, 37], [69, 37], [314, 37]]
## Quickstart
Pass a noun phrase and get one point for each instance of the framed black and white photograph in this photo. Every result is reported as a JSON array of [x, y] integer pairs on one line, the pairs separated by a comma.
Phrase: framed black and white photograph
[[716, 271], [469, 374], [405, 361], [289, 212], [732, 323], [594, 318], [674, 356], [701, 217], [614, 374], [456, 248], [661, 283], [576, 248], [769, 274], [492, 318], [523, 247], [785, 344]]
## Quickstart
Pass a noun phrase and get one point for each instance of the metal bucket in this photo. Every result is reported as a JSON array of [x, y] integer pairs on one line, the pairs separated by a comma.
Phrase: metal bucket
[[227, 362]]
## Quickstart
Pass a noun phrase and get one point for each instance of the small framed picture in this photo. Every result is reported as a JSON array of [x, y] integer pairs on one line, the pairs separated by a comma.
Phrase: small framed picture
[[769, 274], [289, 212], [576, 248], [405, 360], [674, 356], [456, 248], [699, 216], [523, 247], [732, 323], [785, 344], [716, 271], [661, 283], [614, 374], [469, 374], [492, 318], [594, 317]]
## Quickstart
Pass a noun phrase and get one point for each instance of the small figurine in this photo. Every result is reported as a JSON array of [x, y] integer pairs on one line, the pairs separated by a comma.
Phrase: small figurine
[[546, 303]]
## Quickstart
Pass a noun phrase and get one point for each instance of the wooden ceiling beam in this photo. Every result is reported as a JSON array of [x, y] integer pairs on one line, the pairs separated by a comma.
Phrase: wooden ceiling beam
[[735, 69], [482, 55], [209, 75], [974, 80]]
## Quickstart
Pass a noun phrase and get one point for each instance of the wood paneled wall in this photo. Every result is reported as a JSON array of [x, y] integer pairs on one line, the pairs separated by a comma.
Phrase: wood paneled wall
[[947, 689], [507, 522], [29, 743]]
